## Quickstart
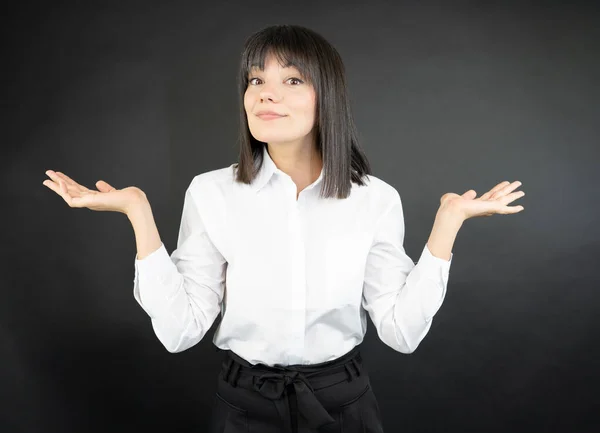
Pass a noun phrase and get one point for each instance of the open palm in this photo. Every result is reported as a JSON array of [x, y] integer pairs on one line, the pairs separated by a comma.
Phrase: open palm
[[495, 201]]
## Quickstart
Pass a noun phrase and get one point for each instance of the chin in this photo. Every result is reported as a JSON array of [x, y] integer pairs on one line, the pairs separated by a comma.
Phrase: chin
[[273, 138]]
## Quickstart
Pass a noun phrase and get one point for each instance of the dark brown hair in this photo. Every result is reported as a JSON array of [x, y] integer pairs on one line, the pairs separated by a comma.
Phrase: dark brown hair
[[336, 136]]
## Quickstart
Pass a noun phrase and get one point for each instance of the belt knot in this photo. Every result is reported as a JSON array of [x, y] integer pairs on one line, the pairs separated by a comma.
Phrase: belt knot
[[273, 385]]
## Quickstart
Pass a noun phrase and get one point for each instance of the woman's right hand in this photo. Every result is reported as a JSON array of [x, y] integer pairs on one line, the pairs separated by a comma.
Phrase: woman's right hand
[[107, 198]]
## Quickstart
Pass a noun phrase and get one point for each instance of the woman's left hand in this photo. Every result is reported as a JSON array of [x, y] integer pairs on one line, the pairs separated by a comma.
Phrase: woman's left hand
[[495, 201]]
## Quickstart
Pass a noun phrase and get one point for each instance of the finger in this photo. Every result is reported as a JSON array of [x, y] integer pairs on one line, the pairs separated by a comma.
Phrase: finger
[[69, 181], [52, 175], [494, 190], [57, 179], [64, 177], [505, 210], [513, 209], [506, 189], [65, 193], [509, 188], [62, 187], [502, 189], [52, 185], [59, 188], [512, 197]]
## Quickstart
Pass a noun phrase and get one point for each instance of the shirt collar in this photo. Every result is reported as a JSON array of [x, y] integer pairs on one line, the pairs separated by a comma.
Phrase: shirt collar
[[269, 168]]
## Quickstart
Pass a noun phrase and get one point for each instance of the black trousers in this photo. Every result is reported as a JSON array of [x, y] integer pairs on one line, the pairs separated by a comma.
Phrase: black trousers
[[334, 396]]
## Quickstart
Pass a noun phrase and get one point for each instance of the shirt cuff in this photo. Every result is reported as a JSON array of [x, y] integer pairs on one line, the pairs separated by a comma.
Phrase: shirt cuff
[[433, 274], [435, 267], [155, 271], [153, 262]]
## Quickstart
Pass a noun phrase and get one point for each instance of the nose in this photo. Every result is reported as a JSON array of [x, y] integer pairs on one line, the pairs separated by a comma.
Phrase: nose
[[268, 92]]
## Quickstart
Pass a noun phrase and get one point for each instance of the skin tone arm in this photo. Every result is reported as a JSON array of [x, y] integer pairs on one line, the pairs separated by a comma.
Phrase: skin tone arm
[[443, 234], [456, 209], [147, 238]]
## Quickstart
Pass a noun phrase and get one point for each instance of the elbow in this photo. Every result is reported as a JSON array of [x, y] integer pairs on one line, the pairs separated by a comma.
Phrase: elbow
[[176, 345], [404, 347], [410, 335], [174, 348], [398, 342], [410, 349], [177, 339], [409, 343], [171, 341]]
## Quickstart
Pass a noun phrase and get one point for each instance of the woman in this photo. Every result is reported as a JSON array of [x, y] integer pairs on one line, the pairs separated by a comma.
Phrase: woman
[[294, 245]]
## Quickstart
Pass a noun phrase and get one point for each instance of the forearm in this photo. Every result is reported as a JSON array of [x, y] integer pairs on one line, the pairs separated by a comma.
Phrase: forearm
[[423, 294], [147, 238], [443, 234]]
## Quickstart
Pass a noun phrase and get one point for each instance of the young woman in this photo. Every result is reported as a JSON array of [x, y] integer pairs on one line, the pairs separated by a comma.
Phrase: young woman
[[294, 245]]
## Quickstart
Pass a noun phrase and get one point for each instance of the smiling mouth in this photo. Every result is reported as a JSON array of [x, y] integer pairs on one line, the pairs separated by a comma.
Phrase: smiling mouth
[[270, 116]]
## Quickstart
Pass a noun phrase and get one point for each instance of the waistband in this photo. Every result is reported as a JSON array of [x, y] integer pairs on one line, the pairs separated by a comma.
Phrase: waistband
[[291, 388]]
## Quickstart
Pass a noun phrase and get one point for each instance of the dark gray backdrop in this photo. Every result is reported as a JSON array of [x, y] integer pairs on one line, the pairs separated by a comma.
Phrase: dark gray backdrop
[[447, 97]]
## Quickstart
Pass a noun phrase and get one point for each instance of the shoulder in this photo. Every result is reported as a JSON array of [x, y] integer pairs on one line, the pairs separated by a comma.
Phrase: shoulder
[[213, 180], [376, 198], [209, 192], [381, 192]]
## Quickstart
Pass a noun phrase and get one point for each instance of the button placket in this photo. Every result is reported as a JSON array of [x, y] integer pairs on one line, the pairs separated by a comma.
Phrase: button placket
[[298, 278]]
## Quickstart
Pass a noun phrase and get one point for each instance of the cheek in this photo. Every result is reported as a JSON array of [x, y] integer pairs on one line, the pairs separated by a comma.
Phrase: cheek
[[304, 103], [249, 97], [310, 110], [311, 106]]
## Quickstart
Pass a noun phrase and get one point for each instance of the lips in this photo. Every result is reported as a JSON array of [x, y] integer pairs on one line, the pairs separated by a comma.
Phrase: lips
[[268, 116], [266, 111]]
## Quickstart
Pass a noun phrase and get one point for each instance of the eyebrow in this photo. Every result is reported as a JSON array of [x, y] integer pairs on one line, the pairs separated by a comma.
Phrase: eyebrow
[[293, 70], [255, 66]]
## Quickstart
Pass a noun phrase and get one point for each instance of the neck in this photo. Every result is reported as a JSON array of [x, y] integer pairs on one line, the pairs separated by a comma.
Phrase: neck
[[302, 162]]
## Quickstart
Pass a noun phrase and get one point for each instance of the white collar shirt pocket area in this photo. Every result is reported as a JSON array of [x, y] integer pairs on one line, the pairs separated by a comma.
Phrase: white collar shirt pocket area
[[344, 257]]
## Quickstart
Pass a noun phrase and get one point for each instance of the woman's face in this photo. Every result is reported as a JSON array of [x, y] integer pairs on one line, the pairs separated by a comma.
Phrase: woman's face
[[283, 91]]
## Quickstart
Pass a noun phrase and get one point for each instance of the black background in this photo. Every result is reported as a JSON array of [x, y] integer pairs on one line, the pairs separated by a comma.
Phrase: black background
[[447, 96]]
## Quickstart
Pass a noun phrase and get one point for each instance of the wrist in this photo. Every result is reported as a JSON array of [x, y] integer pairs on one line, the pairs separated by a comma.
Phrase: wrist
[[138, 207], [450, 214]]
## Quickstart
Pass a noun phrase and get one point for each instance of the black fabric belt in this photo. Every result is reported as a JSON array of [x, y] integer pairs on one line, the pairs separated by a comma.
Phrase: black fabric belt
[[292, 387]]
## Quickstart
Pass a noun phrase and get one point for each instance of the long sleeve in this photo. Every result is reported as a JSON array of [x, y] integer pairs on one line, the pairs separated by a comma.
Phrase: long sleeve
[[182, 293], [400, 296]]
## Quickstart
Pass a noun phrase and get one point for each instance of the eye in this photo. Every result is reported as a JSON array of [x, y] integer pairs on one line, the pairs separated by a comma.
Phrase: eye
[[292, 78]]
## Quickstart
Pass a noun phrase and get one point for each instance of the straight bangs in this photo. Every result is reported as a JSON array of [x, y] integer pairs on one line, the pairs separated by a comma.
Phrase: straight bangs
[[290, 48]]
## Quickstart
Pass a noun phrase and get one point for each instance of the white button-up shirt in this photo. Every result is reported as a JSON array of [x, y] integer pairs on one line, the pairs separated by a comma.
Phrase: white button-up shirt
[[293, 279]]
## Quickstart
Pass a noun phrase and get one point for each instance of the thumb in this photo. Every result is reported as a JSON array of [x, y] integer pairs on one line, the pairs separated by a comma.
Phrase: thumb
[[470, 194], [104, 186]]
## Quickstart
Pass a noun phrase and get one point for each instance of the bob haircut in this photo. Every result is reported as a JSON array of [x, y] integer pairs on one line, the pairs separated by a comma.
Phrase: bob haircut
[[321, 66]]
